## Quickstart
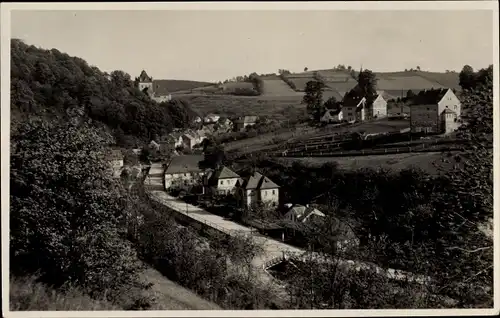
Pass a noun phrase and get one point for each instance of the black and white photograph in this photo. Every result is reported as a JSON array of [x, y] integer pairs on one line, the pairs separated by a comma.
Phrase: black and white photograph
[[249, 159]]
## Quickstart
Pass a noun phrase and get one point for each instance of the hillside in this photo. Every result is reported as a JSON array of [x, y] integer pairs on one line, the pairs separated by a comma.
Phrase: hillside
[[182, 85], [56, 86]]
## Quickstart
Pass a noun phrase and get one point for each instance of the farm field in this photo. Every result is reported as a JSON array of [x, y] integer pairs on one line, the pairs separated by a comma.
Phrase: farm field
[[277, 87], [306, 134], [183, 85], [395, 162], [280, 108]]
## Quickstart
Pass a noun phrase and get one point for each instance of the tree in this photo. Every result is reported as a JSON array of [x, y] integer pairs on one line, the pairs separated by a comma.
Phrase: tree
[[214, 154], [313, 98], [66, 209], [467, 77], [367, 82], [332, 103], [410, 94]]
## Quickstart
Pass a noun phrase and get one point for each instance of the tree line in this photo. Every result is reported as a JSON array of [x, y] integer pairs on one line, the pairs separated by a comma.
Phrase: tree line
[[54, 85]]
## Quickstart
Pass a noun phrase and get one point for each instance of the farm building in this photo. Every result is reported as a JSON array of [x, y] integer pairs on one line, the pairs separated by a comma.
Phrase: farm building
[[220, 181], [153, 145], [243, 122], [192, 138], [156, 89], [257, 189], [360, 108], [435, 111], [183, 171], [332, 116]]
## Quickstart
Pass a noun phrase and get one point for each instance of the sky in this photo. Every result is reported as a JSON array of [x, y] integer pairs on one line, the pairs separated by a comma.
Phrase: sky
[[217, 45]]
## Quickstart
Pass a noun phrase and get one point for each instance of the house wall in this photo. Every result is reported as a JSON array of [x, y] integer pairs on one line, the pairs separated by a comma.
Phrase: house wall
[[451, 101], [379, 108], [449, 123], [250, 197], [149, 86], [270, 196], [163, 98], [187, 178], [116, 164], [188, 142], [350, 113], [424, 118], [225, 186]]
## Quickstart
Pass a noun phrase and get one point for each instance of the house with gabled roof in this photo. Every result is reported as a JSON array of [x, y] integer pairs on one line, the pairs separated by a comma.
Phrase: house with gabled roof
[[256, 189], [435, 111], [220, 181], [359, 107], [303, 214], [184, 171], [211, 118]]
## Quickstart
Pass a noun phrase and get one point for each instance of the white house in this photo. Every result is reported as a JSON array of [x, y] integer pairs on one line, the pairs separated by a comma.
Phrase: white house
[[184, 171], [332, 116], [192, 138], [246, 121], [435, 111], [115, 159], [376, 107], [154, 145], [257, 189], [220, 181], [354, 107]]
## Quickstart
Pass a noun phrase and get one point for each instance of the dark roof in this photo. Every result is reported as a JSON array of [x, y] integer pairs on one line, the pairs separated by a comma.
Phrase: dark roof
[[221, 173], [186, 163], [259, 182], [160, 87], [428, 97], [144, 77]]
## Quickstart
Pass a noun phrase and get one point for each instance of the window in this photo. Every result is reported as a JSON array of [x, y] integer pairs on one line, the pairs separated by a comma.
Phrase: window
[[265, 193], [455, 107], [228, 181], [274, 191], [221, 182]]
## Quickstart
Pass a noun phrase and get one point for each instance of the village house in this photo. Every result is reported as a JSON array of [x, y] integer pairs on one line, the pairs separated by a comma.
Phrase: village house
[[197, 120], [191, 138], [300, 213], [360, 108], [243, 122], [211, 118], [156, 89], [220, 181], [184, 171], [257, 189], [332, 116], [224, 125], [435, 111]]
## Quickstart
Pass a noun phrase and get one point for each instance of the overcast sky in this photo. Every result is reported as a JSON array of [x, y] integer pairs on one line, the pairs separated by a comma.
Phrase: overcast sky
[[215, 45]]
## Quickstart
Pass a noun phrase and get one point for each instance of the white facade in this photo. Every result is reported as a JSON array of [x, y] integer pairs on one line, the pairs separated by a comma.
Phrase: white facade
[[185, 178], [378, 109], [429, 118]]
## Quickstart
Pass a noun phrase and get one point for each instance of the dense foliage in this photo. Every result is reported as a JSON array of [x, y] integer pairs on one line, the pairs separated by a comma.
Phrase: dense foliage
[[53, 84], [66, 211]]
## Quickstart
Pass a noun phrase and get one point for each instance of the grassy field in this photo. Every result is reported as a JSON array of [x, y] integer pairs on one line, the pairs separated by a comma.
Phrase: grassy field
[[303, 133], [183, 85], [280, 108], [394, 162], [277, 87]]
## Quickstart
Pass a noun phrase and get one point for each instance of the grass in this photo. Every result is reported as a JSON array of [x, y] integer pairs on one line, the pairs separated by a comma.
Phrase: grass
[[27, 295], [275, 108], [277, 87], [182, 85], [394, 162]]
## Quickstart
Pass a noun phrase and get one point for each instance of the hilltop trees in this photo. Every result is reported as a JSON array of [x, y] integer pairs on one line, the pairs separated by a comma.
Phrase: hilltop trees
[[313, 98], [367, 82], [51, 84], [467, 77], [66, 209]]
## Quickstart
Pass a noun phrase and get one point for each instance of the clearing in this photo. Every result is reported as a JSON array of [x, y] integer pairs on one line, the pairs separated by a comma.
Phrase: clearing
[[277, 87]]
